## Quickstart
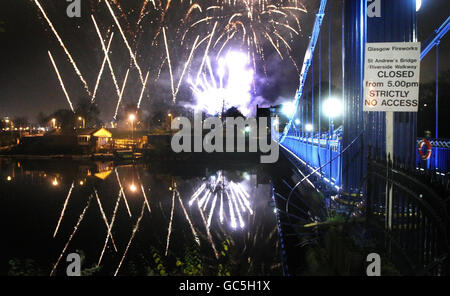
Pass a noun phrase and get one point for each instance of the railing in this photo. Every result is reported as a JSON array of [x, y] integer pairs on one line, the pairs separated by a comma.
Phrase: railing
[[409, 216], [318, 153]]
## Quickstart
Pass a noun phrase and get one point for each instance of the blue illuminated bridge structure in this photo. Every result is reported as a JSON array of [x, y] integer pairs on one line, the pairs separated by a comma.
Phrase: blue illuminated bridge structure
[[340, 165]]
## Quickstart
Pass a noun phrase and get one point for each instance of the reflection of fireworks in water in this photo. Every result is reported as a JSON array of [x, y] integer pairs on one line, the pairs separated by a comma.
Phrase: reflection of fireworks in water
[[72, 235], [229, 87], [229, 192]]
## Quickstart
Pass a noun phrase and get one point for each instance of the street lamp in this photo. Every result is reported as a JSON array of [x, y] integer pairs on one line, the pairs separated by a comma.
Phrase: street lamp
[[332, 108], [132, 118], [418, 4], [83, 120]]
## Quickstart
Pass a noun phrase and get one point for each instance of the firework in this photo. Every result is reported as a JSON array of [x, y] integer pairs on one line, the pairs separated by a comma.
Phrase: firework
[[106, 55], [119, 100], [132, 55], [233, 88], [142, 91], [197, 240], [135, 229], [61, 82], [63, 209], [64, 47], [71, 235], [122, 191], [108, 226], [170, 65], [100, 73], [169, 230]]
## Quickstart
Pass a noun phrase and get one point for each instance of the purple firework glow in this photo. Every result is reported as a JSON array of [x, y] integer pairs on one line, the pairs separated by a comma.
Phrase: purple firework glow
[[228, 85]]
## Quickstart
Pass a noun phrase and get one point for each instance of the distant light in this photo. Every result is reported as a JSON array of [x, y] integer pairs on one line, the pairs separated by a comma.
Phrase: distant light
[[297, 121], [81, 183], [55, 182], [247, 129], [288, 109], [133, 188], [132, 117], [332, 107], [309, 127], [246, 176], [8, 178], [418, 4]]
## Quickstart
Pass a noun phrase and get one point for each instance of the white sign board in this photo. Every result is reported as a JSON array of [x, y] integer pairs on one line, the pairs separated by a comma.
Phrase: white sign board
[[391, 77]]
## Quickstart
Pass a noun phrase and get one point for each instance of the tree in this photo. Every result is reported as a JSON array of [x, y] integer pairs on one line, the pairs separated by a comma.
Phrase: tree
[[20, 121], [42, 119], [88, 111], [65, 119], [233, 112]]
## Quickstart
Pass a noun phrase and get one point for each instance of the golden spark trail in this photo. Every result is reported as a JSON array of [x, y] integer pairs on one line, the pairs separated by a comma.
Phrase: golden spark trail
[[170, 65], [105, 219], [133, 57], [107, 56], [64, 47], [123, 192], [135, 229], [101, 69], [197, 240], [72, 235], [142, 91], [121, 93], [61, 82], [169, 231], [64, 208]]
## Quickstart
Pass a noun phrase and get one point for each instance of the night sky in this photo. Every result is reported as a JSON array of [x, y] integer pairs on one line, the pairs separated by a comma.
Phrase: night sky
[[28, 83]]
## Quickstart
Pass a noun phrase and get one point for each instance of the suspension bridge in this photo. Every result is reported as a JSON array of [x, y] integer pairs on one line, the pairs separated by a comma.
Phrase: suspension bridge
[[363, 164]]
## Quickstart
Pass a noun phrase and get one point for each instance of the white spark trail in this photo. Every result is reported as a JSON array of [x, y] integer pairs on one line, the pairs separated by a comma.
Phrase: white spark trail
[[61, 81], [72, 235], [64, 208], [107, 56], [208, 233], [135, 229], [108, 226], [119, 100], [123, 192], [197, 240], [133, 57], [206, 51], [186, 65], [100, 73], [142, 91], [145, 199], [169, 231], [213, 206], [111, 226], [170, 66], [64, 47]]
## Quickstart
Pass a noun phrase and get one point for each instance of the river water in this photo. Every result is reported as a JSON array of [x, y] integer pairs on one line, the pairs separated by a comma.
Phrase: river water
[[165, 218]]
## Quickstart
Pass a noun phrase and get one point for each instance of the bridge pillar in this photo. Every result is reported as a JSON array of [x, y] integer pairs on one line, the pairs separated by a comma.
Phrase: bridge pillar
[[353, 36]]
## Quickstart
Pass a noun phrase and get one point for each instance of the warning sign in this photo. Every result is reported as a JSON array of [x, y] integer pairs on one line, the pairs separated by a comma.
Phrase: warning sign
[[391, 77]]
